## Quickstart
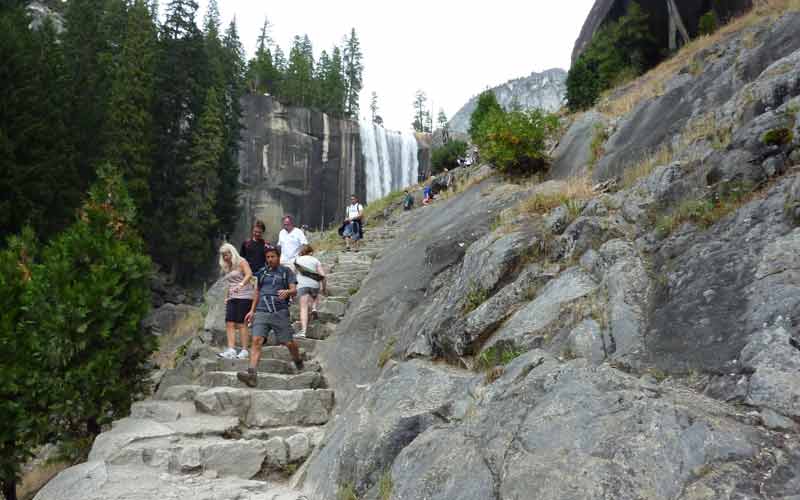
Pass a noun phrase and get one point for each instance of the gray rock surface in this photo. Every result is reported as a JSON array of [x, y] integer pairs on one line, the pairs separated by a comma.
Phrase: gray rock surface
[[572, 156], [774, 357], [545, 90]]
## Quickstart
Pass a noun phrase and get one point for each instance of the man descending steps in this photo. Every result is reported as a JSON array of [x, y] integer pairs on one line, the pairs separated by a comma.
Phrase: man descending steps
[[270, 311]]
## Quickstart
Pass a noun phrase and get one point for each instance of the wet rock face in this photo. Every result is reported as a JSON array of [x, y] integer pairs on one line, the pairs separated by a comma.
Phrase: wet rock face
[[296, 161], [604, 11]]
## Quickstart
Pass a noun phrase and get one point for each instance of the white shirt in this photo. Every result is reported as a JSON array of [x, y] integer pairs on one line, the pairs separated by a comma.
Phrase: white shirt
[[308, 262], [290, 243], [352, 210]]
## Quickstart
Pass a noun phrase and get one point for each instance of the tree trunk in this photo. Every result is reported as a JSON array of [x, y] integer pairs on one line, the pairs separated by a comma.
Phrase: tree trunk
[[93, 427], [676, 26], [10, 489]]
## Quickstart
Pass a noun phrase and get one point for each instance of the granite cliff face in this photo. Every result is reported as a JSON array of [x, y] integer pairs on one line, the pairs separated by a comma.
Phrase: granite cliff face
[[296, 161], [544, 90]]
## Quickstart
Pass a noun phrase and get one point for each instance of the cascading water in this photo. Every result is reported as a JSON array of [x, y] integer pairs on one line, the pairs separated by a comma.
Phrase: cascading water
[[390, 159]]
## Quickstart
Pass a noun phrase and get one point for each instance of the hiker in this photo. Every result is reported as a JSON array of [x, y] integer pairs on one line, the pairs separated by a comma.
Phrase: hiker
[[253, 249], [290, 239], [310, 284], [269, 310], [408, 201], [353, 230], [238, 297], [427, 194]]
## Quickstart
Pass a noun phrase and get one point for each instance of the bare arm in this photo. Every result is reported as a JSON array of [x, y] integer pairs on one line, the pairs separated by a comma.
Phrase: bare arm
[[249, 318], [244, 267]]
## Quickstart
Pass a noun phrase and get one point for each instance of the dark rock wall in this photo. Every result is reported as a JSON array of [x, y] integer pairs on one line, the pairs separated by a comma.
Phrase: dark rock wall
[[296, 161], [605, 11]]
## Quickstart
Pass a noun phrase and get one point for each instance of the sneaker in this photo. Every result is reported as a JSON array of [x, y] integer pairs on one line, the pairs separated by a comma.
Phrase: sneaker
[[301, 334], [299, 365], [229, 353], [248, 378], [243, 354]]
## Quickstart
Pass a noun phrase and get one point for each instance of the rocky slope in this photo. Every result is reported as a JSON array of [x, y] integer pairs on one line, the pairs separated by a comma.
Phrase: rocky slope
[[635, 340], [545, 90], [641, 342]]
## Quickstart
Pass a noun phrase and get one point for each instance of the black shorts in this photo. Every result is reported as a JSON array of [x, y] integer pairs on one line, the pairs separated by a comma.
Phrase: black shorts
[[237, 309]]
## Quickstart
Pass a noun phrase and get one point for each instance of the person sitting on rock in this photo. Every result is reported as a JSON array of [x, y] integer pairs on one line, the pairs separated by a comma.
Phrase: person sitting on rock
[[352, 229], [290, 239], [269, 310], [310, 284], [253, 249], [427, 194], [238, 297], [408, 201]]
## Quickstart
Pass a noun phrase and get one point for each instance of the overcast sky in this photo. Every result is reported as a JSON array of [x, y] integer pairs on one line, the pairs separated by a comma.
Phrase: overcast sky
[[450, 49]]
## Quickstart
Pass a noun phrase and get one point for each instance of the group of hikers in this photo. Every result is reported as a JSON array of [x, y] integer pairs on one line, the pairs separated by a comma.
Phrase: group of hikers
[[262, 280]]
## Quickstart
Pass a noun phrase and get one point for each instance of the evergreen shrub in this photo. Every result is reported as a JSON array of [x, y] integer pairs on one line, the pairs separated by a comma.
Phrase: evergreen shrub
[[447, 156]]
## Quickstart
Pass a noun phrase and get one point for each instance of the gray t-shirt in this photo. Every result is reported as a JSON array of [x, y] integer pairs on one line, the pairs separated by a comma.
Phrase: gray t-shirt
[[269, 282]]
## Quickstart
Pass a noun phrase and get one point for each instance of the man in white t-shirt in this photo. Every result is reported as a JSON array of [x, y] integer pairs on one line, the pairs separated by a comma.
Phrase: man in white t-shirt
[[353, 231], [290, 239]]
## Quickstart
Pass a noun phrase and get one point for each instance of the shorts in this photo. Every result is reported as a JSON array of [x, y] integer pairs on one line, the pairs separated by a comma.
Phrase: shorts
[[352, 231], [308, 291], [278, 322], [237, 309]]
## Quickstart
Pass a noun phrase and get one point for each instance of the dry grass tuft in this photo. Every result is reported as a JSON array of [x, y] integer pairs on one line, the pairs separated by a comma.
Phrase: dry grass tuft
[[662, 156], [624, 99], [575, 189]]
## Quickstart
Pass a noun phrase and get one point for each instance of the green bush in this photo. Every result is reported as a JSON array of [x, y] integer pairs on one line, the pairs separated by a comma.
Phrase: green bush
[[619, 51], [487, 104], [516, 142], [24, 386], [86, 300], [708, 23], [447, 156]]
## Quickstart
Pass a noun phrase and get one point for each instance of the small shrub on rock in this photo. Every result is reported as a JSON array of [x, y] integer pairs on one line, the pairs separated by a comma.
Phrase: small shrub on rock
[[516, 142], [487, 104], [778, 137], [708, 23]]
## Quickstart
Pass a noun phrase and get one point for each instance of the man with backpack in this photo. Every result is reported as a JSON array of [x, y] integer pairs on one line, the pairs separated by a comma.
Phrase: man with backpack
[[353, 229], [270, 311]]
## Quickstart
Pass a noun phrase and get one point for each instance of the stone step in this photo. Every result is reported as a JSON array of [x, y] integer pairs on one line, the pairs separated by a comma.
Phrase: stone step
[[243, 458], [163, 411], [266, 381], [343, 290], [278, 352], [265, 366], [331, 311], [260, 408]]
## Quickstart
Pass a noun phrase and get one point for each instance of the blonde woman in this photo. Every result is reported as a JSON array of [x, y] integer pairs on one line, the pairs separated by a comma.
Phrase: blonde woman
[[238, 297]]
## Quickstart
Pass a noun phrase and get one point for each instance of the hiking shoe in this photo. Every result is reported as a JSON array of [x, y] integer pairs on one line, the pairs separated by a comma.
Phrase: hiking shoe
[[229, 353], [248, 378], [243, 354], [301, 334], [299, 365]]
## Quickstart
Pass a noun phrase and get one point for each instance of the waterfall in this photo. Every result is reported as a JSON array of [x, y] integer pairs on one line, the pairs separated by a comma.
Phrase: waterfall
[[390, 159]]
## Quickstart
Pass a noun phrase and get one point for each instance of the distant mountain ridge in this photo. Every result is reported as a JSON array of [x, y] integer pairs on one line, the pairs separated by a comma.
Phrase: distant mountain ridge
[[545, 90]]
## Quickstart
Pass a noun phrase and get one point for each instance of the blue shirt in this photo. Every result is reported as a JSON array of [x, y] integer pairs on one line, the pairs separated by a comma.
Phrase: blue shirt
[[269, 282]]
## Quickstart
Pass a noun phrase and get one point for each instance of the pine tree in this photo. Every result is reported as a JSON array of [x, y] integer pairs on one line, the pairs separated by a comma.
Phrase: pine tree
[[420, 112], [262, 73], [353, 72], [89, 54], [335, 85], [227, 194], [196, 205], [373, 105], [129, 132], [35, 146], [87, 296], [297, 89], [180, 77]]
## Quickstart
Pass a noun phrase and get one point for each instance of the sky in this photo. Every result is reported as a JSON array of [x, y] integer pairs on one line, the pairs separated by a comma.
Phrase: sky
[[450, 49]]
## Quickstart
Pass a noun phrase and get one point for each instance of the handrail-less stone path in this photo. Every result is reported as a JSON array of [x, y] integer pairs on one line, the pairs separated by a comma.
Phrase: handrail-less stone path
[[205, 435]]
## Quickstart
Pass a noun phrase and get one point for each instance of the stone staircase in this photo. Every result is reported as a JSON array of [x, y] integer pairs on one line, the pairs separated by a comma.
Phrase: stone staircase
[[203, 425]]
